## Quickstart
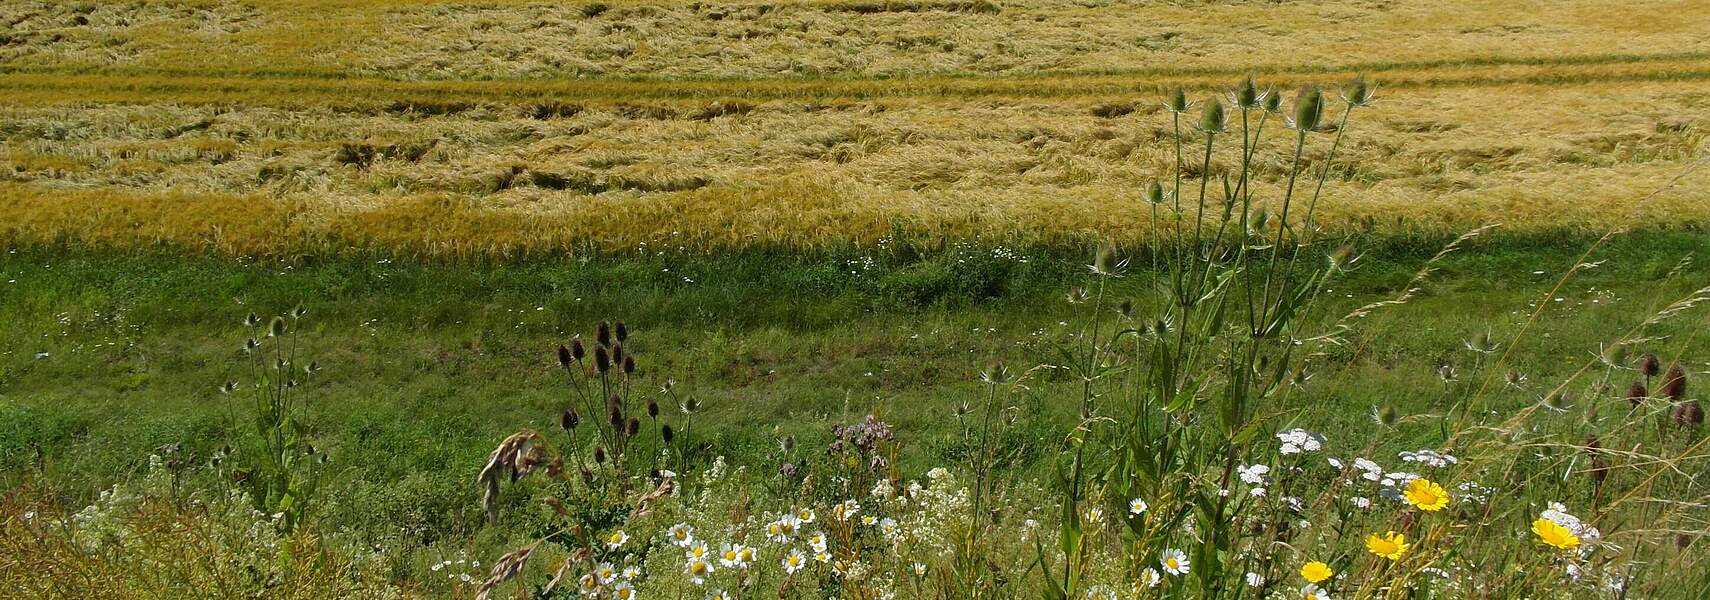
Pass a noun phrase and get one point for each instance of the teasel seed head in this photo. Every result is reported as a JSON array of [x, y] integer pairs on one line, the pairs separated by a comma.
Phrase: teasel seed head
[[1446, 372], [603, 333], [997, 374], [229, 387], [1485, 343], [1558, 400], [628, 364], [1385, 415], [1649, 365], [277, 327], [1342, 258], [1104, 262], [602, 359], [1359, 92], [1247, 94], [1614, 355], [1155, 192], [1514, 378], [1212, 119], [667, 433], [599, 455], [1636, 393], [1176, 102], [251, 320], [577, 351], [789, 443], [1308, 108], [564, 357], [251, 345], [1126, 309], [1273, 101], [633, 428], [622, 331], [1674, 383], [569, 420], [617, 353], [1688, 413]]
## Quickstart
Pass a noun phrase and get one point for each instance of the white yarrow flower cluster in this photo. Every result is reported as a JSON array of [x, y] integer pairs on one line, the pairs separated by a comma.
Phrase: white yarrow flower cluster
[[1429, 458], [1299, 441]]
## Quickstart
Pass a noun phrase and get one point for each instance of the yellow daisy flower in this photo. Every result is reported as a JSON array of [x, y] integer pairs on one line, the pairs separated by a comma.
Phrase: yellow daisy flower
[[1554, 534], [1390, 545], [1316, 571], [1426, 495]]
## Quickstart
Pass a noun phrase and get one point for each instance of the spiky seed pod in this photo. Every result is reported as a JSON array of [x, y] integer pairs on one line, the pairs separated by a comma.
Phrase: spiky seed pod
[[1386, 416], [1177, 101], [229, 387], [603, 333], [1688, 413], [615, 415], [1155, 192], [251, 320], [1674, 383], [1104, 262], [577, 351], [633, 428], [1558, 400], [1341, 257], [569, 420], [628, 364], [1636, 393], [1126, 309], [1273, 101], [602, 359], [622, 331], [666, 433], [1213, 119], [789, 443], [299, 312], [564, 356], [691, 405], [277, 327], [1247, 94], [1358, 92], [652, 409], [599, 455], [1682, 540], [1649, 365], [617, 353], [1309, 108]]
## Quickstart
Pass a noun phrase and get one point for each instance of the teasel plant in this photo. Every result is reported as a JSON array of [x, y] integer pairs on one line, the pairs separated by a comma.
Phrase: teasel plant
[[1168, 398], [278, 466], [614, 426], [614, 463]]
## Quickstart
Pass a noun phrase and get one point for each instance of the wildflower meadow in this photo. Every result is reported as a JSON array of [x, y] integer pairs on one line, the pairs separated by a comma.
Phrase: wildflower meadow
[[727, 301]]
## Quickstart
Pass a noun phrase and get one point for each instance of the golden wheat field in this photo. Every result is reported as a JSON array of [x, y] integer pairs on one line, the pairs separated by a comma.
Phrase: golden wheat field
[[497, 127]]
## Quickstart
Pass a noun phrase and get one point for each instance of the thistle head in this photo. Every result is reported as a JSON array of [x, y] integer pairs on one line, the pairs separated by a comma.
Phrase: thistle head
[[1308, 109]]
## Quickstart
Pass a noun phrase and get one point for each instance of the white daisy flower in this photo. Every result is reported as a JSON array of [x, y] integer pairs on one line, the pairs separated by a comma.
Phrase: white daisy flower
[[624, 591], [1150, 577], [616, 540], [794, 561], [817, 541], [919, 569], [1255, 579], [697, 569], [1313, 592], [718, 594], [805, 515], [730, 555], [1136, 506], [681, 534], [1094, 514], [605, 573], [696, 551], [1175, 562]]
